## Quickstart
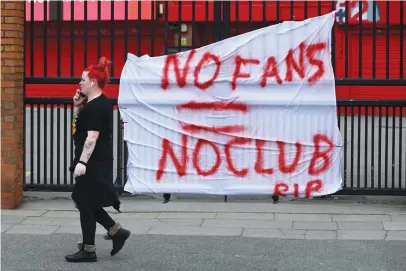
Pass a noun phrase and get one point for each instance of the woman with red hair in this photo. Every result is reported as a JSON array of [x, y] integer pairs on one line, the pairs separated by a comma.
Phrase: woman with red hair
[[93, 163]]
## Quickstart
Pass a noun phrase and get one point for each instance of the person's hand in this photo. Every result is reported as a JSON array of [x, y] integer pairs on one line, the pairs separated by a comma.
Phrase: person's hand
[[80, 170], [77, 99]]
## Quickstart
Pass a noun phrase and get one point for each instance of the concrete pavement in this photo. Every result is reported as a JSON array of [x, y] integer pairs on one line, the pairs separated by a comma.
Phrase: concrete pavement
[[298, 219], [192, 233]]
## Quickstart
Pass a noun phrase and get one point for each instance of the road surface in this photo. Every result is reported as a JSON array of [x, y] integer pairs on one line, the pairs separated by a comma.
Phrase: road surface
[[160, 252]]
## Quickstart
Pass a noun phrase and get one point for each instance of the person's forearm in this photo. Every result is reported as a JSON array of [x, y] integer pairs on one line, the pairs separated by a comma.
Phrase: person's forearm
[[88, 148]]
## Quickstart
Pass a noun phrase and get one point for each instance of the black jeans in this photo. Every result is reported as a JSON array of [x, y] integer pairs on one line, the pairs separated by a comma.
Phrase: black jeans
[[88, 219]]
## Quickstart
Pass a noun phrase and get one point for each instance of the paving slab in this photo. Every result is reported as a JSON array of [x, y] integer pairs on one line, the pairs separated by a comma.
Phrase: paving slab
[[63, 214], [134, 215], [181, 222], [187, 215], [361, 218], [396, 235], [394, 226], [261, 207], [303, 217], [292, 234], [46, 205], [12, 219], [5, 227], [135, 229], [363, 225], [314, 225], [195, 231], [76, 229], [300, 207], [274, 233], [320, 235], [138, 229], [262, 233], [150, 222], [247, 223], [361, 234], [398, 218], [253, 216], [312, 219], [24, 212], [32, 229], [50, 221]]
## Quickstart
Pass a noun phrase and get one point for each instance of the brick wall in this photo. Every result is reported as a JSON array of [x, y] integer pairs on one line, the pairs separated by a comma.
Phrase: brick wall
[[12, 86]]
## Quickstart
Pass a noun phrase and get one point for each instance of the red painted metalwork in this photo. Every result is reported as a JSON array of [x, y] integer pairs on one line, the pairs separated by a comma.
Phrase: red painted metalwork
[[158, 35]]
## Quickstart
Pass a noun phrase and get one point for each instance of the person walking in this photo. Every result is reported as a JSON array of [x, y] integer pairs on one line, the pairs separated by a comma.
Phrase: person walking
[[93, 163]]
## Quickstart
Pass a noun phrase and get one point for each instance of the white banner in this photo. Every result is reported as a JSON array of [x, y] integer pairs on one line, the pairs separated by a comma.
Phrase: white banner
[[252, 114]]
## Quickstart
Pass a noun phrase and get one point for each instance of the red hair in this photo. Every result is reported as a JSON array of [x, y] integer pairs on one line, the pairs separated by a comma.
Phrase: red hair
[[100, 72]]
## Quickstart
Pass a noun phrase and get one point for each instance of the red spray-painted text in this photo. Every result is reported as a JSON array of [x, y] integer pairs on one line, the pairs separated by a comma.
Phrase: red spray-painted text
[[269, 70]]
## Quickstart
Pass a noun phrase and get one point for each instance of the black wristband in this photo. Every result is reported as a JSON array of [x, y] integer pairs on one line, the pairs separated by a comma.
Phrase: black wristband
[[83, 163]]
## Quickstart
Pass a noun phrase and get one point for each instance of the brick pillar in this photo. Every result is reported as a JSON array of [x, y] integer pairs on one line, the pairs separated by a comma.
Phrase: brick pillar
[[12, 104]]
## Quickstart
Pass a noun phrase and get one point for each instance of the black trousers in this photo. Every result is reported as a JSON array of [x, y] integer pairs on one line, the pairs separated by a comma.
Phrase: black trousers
[[88, 219]]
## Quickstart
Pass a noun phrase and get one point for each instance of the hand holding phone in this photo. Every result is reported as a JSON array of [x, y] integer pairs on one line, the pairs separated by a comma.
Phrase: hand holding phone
[[79, 98]]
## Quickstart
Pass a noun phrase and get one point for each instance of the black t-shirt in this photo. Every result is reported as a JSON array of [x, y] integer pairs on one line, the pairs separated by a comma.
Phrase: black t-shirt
[[96, 115]]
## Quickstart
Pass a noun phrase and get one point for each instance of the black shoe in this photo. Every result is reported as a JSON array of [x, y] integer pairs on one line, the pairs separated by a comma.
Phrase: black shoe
[[82, 256], [118, 240]]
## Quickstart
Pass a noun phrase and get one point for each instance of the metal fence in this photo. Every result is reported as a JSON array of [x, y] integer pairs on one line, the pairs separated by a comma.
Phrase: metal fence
[[368, 59], [374, 155], [49, 147]]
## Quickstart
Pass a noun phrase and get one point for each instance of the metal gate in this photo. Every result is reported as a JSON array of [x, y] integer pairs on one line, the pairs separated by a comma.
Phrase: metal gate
[[62, 38]]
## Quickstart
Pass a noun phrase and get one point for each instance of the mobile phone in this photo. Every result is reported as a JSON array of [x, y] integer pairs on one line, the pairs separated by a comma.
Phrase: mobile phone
[[81, 94]]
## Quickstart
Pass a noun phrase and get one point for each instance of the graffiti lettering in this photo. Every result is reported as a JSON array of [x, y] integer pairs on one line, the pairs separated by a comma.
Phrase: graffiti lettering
[[281, 189], [294, 65], [180, 163]]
